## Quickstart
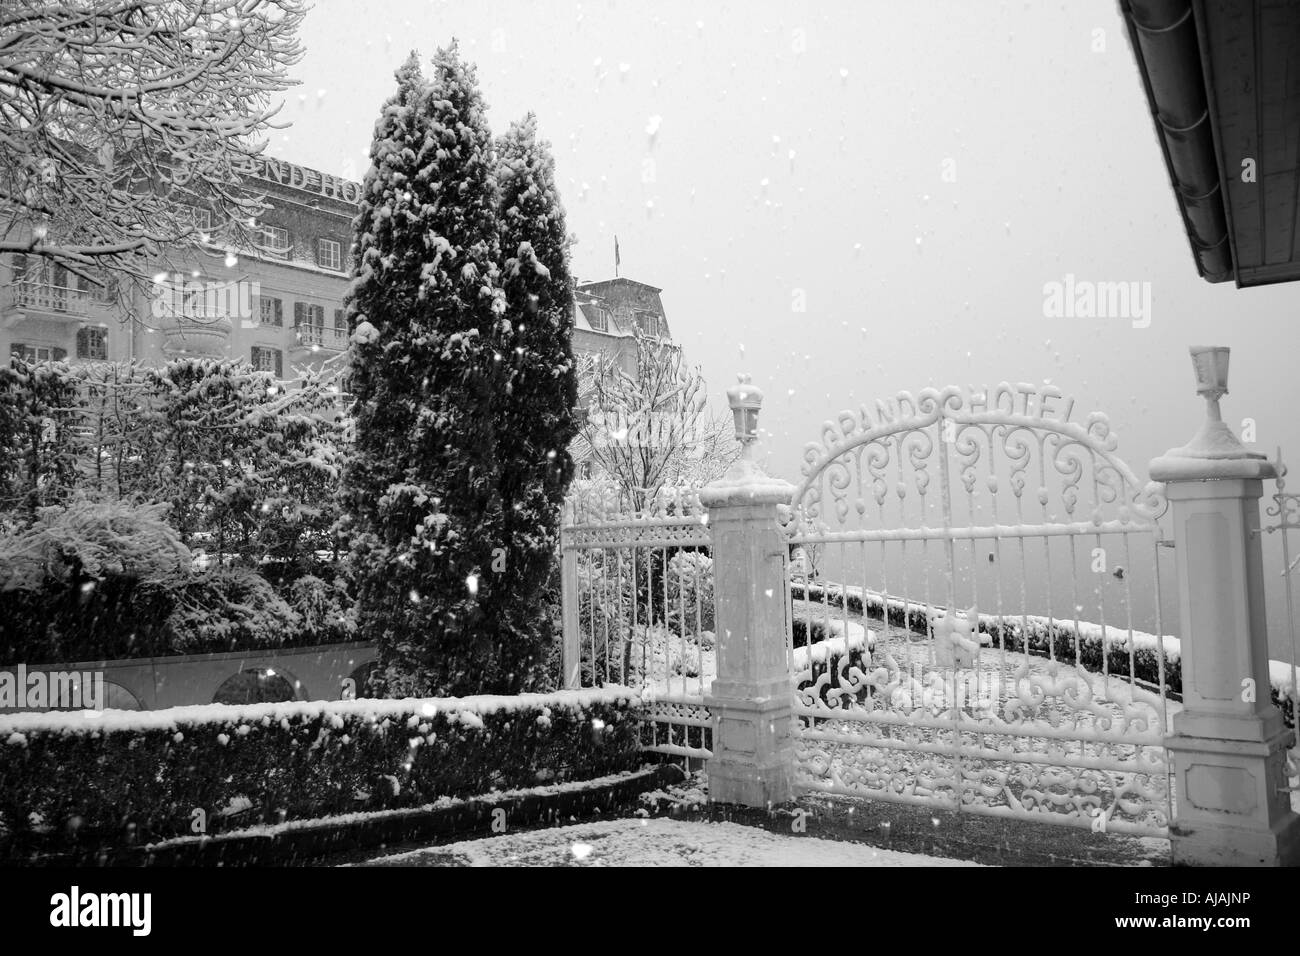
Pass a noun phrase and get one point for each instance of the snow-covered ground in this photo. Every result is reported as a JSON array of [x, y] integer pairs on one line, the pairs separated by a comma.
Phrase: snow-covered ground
[[656, 842]]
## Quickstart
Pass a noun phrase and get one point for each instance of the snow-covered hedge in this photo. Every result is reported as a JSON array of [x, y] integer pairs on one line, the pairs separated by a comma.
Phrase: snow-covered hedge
[[1041, 636], [138, 776]]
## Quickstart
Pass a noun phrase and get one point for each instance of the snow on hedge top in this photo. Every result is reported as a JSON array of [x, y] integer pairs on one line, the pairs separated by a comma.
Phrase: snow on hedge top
[[467, 710]]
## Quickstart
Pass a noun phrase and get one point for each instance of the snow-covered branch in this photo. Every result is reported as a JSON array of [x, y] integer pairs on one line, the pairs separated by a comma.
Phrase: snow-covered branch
[[652, 427], [130, 126]]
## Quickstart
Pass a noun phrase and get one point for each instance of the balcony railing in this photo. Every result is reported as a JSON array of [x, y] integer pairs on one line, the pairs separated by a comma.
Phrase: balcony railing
[[43, 297], [195, 313], [316, 337]]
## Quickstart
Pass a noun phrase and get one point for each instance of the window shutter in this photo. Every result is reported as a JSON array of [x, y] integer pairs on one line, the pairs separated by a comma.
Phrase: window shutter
[[20, 266], [17, 350], [340, 322], [252, 357], [60, 354], [279, 313], [298, 310], [279, 364]]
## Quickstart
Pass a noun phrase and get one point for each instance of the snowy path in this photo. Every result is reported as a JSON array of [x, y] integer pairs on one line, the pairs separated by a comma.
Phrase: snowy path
[[656, 842]]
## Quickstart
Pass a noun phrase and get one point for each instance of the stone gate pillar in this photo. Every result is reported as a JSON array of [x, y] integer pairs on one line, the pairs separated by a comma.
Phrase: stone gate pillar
[[751, 697], [1229, 742]]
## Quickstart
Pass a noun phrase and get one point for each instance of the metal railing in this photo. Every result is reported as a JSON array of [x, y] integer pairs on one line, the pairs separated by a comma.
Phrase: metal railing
[[34, 294], [639, 608], [1283, 516]]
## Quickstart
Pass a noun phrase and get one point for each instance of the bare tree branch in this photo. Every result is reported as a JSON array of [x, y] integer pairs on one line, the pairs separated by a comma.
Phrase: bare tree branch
[[653, 427], [119, 118]]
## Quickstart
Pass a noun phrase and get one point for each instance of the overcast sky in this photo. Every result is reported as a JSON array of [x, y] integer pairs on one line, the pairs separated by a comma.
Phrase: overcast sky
[[802, 147], [799, 152], [909, 280]]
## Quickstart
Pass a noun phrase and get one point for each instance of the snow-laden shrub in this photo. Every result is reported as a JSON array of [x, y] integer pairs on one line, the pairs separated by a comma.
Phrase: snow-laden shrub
[[690, 592], [632, 601], [89, 581], [136, 777], [88, 540], [249, 466], [228, 608], [324, 609], [39, 404]]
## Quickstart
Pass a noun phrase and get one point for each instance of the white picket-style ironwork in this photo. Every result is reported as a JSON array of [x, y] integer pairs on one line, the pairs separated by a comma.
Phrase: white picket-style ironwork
[[638, 607], [1284, 514], [955, 548]]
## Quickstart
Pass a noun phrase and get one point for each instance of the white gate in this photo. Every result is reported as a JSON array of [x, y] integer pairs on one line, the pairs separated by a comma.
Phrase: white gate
[[1284, 513], [638, 607], [976, 610]]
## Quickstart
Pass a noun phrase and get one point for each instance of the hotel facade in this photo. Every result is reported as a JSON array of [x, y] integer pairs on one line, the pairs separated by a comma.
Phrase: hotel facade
[[274, 307], [277, 307]]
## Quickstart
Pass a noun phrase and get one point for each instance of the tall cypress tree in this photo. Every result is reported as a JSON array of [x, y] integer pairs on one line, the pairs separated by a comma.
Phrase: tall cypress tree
[[534, 416], [422, 308]]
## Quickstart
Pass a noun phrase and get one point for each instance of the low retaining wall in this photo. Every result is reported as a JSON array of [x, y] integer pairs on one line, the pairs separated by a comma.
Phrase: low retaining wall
[[155, 683]]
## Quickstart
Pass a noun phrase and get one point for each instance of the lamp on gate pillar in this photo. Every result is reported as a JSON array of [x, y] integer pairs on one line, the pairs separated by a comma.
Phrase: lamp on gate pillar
[[745, 401], [1214, 439], [1228, 744], [1210, 362]]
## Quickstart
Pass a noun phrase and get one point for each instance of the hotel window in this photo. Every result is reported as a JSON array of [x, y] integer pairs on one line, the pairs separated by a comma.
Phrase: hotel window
[[272, 311], [105, 289], [340, 320], [648, 323], [329, 254], [276, 241], [600, 319], [92, 343], [268, 360], [304, 313], [38, 353]]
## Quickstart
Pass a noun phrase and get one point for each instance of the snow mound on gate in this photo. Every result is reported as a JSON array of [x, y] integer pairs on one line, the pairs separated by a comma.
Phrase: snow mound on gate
[[465, 710]]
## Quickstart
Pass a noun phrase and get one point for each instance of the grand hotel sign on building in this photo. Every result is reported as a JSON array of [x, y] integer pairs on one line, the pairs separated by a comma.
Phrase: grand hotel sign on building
[[308, 180]]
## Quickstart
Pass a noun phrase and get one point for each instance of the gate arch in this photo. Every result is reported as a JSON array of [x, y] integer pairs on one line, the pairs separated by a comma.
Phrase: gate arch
[[953, 679]]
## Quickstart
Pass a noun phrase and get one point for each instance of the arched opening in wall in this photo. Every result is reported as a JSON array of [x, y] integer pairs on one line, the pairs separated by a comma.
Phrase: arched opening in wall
[[117, 697], [360, 680], [257, 685]]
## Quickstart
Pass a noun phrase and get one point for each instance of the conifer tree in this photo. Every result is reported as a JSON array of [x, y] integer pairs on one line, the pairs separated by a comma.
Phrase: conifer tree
[[423, 305], [538, 391]]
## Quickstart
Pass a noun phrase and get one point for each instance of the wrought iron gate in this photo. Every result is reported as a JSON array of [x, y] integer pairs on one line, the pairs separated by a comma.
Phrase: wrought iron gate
[[638, 607], [1284, 515], [977, 611]]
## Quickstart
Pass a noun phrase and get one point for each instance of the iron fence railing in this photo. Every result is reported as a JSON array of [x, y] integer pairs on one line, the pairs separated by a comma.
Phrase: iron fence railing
[[51, 298]]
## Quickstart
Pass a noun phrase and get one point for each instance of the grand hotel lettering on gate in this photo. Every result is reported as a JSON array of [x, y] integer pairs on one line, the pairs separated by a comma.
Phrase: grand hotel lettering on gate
[[308, 180]]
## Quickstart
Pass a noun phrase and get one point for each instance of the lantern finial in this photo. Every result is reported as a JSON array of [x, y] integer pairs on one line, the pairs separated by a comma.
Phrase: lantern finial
[[745, 400], [1215, 439]]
